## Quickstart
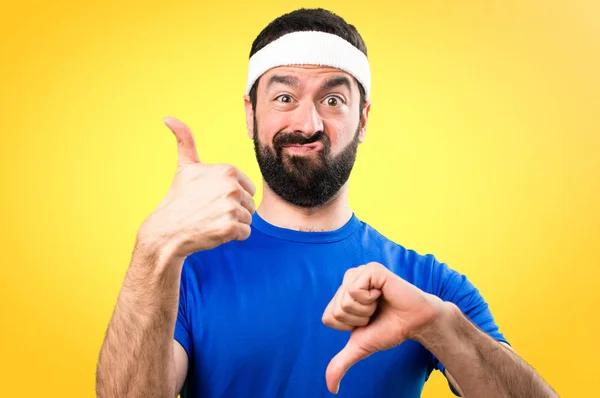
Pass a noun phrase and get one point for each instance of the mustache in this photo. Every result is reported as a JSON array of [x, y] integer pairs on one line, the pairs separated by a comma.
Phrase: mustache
[[284, 138]]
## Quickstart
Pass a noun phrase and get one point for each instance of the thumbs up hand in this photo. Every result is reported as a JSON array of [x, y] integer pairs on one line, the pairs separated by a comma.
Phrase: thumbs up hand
[[381, 310], [207, 205]]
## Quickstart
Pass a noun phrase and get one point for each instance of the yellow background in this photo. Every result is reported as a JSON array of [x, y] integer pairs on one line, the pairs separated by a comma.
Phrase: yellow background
[[483, 148]]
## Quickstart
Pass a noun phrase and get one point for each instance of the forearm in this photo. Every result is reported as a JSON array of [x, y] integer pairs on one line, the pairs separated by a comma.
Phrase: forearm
[[136, 359], [481, 366]]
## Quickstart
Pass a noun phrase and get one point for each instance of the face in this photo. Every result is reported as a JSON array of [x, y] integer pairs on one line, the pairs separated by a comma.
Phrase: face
[[306, 129]]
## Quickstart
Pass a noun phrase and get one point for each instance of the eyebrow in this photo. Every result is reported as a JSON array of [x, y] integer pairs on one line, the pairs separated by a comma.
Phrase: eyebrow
[[283, 79], [336, 82]]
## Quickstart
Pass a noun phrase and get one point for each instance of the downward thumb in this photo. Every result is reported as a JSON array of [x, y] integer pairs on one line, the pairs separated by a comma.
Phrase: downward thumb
[[339, 365]]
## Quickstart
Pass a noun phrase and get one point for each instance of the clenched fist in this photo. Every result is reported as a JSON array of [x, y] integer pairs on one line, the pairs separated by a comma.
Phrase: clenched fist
[[206, 206]]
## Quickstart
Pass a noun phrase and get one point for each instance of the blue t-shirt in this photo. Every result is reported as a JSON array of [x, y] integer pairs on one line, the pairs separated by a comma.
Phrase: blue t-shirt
[[250, 314]]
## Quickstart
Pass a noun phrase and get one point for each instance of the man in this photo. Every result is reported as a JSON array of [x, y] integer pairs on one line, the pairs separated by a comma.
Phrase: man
[[221, 300]]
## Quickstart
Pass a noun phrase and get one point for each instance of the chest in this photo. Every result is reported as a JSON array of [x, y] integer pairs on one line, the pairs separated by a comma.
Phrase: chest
[[251, 307], [258, 326]]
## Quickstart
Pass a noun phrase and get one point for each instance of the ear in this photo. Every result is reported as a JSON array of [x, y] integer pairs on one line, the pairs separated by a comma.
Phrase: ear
[[364, 118], [249, 116]]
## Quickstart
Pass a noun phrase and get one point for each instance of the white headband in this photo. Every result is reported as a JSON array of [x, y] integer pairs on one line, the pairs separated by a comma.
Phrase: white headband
[[311, 48]]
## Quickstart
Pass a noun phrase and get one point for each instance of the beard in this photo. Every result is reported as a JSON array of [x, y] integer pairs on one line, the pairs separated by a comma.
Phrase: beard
[[310, 180]]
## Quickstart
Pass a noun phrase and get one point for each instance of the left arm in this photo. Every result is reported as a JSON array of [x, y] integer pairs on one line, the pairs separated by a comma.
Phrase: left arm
[[479, 365]]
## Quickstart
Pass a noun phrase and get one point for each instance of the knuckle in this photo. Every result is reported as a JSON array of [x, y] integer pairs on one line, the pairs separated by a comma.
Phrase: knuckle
[[346, 305], [235, 188], [349, 273], [228, 227], [232, 188], [188, 173], [354, 291], [251, 205], [338, 314], [231, 210], [228, 169], [328, 319], [245, 233]]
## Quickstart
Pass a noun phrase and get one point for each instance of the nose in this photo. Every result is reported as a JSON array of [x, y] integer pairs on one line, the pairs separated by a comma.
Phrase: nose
[[306, 119]]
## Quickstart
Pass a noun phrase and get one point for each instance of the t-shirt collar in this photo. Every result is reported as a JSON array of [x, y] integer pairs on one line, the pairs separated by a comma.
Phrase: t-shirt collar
[[302, 236]]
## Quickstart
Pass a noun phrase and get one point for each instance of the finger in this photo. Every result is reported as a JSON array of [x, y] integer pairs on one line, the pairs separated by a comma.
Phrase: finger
[[332, 303], [243, 215], [339, 313], [352, 306], [340, 364], [328, 319], [348, 320], [248, 202], [350, 275], [336, 318], [362, 295], [246, 183], [331, 322], [243, 232], [367, 286], [186, 147]]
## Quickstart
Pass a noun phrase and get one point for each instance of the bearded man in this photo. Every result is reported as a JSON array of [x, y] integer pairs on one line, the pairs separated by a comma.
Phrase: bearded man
[[225, 300]]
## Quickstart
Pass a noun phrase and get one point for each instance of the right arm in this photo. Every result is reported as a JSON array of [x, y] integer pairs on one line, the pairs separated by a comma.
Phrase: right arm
[[138, 357], [206, 206]]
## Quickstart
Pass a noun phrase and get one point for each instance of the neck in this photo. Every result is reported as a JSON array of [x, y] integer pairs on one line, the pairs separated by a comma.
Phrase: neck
[[331, 216]]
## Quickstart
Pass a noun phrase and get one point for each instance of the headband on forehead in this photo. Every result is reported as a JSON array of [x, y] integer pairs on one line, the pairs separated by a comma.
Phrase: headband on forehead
[[311, 48]]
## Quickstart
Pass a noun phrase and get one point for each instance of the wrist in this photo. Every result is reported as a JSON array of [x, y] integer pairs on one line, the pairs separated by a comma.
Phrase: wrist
[[159, 254], [439, 323]]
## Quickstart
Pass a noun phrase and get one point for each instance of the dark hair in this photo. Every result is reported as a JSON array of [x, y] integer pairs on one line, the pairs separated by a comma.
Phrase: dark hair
[[313, 19]]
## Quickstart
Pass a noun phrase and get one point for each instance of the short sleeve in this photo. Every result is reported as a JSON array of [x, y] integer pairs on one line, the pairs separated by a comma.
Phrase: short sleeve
[[183, 330], [454, 287]]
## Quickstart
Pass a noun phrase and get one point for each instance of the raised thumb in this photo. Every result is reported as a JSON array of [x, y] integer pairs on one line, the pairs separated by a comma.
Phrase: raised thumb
[[186, 147]]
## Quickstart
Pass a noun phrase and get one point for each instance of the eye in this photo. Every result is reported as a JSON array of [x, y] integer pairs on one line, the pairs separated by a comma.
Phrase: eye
[[333, 101], [286, 99]]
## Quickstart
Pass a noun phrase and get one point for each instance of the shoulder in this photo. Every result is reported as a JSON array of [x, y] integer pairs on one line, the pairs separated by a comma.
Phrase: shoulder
[[420, 268], [435, 277]]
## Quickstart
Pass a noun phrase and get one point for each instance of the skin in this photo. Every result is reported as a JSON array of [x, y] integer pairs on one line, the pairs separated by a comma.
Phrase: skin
[[481, 366], [140, 358], [306, 114]]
